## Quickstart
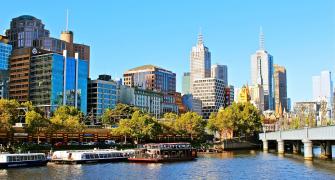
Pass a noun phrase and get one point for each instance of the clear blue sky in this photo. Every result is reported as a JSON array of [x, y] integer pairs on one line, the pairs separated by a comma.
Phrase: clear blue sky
[[123, 34]]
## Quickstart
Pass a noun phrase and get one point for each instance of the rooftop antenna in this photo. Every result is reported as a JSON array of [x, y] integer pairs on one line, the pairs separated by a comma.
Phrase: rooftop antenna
[[261, 38], [67, 20]]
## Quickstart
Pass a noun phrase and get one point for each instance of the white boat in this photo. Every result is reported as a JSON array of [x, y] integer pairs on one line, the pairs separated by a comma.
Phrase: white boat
[[22, 160], [88, 156]]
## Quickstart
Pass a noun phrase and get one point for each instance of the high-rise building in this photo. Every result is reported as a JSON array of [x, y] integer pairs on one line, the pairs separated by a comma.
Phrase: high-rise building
[[262, 73], [229, 95], [24, 30], [200, 62], [186, 83], [28, 31], [56, 80], [151, 78], [323, 89], [211, 92], [280, 89], [257, 96], [101, 95], [5, 52], [220, 72]]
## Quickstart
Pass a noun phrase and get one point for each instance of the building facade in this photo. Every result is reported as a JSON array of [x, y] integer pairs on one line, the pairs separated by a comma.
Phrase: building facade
[[58, 80], [101, 95], [148, 101], [200, 62], [229, 95], [220, 72], [280, 89], [323, 90], [186, 83], [24, 30], [262, 73], [5, 52], [192, 104], [211, 92]]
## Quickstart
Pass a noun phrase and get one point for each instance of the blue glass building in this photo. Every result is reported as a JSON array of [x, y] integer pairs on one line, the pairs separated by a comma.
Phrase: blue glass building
[[5, 52], [58, 80], [101, 95]]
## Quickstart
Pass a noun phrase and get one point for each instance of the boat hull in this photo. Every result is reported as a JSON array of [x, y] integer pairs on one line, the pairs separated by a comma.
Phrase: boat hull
[[23, 164], [61, 161]]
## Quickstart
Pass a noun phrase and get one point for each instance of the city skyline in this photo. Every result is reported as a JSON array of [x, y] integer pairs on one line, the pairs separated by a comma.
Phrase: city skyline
[[230, 37]]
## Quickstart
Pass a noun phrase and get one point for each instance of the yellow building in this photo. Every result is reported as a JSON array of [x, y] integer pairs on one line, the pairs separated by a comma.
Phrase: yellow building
[[244, 95]]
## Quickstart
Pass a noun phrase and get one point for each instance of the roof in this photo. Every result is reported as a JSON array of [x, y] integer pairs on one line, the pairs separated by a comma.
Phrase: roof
[[26, 17], [148, 66]]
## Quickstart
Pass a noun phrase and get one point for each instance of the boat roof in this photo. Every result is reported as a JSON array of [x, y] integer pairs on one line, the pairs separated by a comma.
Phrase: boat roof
[[179, 143], [22, 154]]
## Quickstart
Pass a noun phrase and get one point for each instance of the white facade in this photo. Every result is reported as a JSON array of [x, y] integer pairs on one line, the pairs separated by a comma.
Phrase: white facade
[[257, 96], [220, 72], [262, 73], [211, 92], [323, 89], [200, 62]]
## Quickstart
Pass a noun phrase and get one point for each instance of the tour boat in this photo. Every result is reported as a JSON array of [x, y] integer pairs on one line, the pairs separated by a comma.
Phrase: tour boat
[[88, 156], [164, 152], [22, 160]]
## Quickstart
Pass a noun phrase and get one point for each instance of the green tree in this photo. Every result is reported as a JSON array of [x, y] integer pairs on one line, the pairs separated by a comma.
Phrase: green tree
[[36, 123], [121, 111], [9, 113], [168, 123], [191, 123], [123, 129], [67, 118], [221, 122]]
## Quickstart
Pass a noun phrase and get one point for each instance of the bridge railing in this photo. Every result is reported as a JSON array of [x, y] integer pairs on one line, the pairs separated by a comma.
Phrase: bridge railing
[[317, 133]]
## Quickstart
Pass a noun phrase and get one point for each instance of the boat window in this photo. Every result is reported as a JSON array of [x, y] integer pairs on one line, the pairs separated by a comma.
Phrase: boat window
[[101, 155], [87, 156], [109, 155], [9, 158], [96, 156], [91, 156]]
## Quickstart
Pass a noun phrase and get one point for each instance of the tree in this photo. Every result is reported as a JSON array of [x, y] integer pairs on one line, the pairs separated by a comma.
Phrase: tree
[[221, 122], [168, 123], [9, 113], [121, 111], [191, 123], [36, 123], [140, 126], [67, 118]]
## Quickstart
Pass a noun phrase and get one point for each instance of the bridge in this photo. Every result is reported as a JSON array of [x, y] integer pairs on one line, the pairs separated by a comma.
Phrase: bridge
[[324, 136]]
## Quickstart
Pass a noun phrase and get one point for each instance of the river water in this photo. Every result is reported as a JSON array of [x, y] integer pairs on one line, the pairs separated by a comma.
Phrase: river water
[[228, 165]]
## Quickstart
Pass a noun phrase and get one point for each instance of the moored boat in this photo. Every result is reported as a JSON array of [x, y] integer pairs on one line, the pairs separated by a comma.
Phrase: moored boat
[[22, 160], [164, 152], [88, 156]]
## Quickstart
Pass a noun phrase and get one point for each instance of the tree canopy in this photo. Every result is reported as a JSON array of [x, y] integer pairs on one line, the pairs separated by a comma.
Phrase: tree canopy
[[67, 118]]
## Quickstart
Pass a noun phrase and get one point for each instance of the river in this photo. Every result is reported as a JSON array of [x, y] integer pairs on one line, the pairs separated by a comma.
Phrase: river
[[228, 165]]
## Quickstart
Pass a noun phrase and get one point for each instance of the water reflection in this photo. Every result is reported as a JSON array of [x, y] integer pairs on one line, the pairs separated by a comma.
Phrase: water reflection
[[226, 165]]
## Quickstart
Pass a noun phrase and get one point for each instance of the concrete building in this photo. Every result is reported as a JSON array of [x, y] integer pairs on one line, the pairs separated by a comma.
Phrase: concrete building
[[56, 80], [101, 95], [306, 108], [211, 92], [323, 89], [280, 89], [262, 73], [5, 52], [192, 104], [200, 62], [150, 77], [257, 97], [186, 83], [220, 72]]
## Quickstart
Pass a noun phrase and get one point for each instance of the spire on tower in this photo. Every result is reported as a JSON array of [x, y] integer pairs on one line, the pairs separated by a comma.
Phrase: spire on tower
[[261, 39], [200, 37], [67, 20]]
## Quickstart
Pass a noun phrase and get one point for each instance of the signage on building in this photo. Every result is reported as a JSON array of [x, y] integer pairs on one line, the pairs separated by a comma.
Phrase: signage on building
[[20, 134]]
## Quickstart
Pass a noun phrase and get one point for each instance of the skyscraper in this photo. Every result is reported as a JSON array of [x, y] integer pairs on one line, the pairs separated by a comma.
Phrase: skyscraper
[[220, 72], [262, 72], [24, 30], [280, 89], [200, 62], [323, 89], [5, 52], [186, 83]]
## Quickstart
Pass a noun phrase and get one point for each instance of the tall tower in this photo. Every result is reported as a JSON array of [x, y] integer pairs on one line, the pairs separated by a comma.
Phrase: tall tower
[[200, 62], [262, 72], [280, 89], [67, 36]]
